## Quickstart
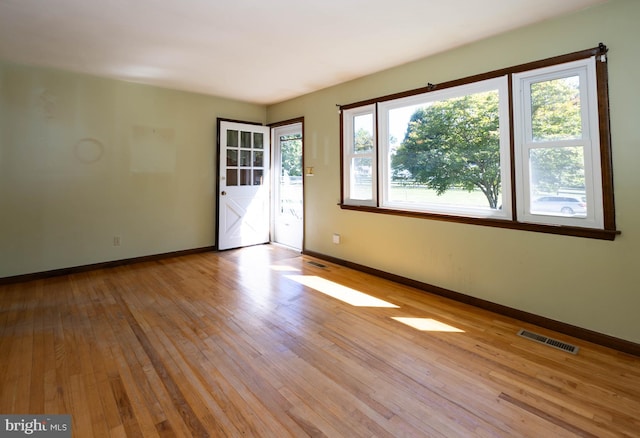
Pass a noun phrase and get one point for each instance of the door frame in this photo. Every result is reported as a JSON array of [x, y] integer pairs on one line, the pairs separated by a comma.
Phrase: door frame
[[219, 120], [294, 121]]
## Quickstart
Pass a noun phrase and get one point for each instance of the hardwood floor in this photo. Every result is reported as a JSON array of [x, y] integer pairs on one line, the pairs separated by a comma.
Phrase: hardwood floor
[[264, 342]]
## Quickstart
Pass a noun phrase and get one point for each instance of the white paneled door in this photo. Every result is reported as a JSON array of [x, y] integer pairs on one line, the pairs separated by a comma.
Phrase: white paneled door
[[243, 194]]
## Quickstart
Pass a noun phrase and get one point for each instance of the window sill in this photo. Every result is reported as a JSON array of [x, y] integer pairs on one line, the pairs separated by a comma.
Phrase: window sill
[[590, 233]]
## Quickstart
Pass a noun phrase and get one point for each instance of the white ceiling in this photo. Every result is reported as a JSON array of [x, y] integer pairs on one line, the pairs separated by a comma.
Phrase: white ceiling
[[261, 51]]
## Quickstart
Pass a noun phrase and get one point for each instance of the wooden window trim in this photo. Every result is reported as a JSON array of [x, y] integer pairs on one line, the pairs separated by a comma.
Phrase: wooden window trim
[[592, 233]]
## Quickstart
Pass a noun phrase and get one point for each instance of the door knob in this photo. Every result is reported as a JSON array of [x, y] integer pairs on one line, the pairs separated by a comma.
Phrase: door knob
[[223, 193]]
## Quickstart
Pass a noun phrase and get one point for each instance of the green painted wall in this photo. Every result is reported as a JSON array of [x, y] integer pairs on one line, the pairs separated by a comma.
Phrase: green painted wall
[[84, 159], [588, 283]]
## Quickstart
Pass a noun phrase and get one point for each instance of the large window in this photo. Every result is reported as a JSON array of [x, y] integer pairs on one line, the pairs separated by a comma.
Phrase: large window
[[525, 147], [447, 151]]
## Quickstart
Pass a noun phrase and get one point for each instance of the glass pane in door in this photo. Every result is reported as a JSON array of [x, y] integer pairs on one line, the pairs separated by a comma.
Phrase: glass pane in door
[[258, 140], [245, 139], [245, 177], [232, 138], [232, 157], [245, 158], [258, 177], [232, 177], [258, 159], [291, 176]]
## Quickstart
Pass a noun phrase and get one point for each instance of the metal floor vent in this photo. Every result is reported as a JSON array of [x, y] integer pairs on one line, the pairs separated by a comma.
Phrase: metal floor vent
[[319, 265], [549, 341]]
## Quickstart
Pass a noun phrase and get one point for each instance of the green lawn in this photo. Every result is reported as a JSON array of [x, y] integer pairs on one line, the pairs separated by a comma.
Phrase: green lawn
[[420, 194]]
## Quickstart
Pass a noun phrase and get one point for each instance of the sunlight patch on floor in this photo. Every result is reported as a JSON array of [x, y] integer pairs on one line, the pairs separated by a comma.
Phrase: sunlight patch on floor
[[428, 325], [284, 268], [340, 292]]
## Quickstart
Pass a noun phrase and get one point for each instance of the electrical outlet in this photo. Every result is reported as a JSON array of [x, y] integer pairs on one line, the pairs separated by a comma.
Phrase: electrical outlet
[[116, 240], [336, 238]]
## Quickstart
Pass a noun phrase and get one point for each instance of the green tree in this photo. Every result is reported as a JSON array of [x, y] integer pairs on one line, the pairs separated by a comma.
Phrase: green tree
[[454, 143], [363, 141], [555, 110], [291, 150], [555, 115]]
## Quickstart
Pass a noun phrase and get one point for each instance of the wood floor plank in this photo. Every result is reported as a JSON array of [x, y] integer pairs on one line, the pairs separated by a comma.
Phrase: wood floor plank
[[21, 358], [244, 343]]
